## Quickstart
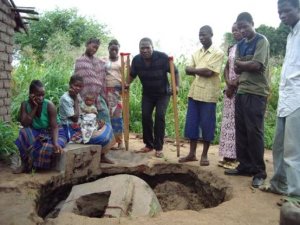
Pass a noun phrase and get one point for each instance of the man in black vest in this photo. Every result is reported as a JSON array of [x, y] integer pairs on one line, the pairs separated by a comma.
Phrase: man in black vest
[[152, 68]]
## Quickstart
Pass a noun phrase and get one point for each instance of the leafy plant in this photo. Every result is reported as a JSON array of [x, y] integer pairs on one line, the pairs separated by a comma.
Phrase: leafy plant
[[8, 134], [67, 21]]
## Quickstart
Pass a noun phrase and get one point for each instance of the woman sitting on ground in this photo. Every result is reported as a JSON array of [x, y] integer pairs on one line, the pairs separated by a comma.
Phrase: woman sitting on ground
[[41, 135], [69, 110]]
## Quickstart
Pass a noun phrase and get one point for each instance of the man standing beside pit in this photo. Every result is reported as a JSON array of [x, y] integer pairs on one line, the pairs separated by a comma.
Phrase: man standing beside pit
[[206, 66]]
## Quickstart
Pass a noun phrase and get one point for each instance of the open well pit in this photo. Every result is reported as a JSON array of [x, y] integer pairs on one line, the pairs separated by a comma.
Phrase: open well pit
[[177, 187]]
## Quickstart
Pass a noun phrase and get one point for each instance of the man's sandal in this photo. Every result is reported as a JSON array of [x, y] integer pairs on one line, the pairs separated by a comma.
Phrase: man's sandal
[[204, 162], [144, 150], [159, 154], [187, 159], [269, 189]]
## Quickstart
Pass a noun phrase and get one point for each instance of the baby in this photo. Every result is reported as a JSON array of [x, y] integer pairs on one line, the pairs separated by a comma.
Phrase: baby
[[88, 118], [88, 106]]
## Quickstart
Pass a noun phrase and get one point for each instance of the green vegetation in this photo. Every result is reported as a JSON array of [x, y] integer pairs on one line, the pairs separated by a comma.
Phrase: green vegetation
[[276, 36], [67, 21], [8, 134], [51, 59], [57, 67]]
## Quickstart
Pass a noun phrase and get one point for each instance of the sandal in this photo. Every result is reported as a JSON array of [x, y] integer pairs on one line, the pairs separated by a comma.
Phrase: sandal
[[144, 150], [269, 189], [159, 154], [204, 162], [294, 200], [187, 159], [230, 165], [221, 163]]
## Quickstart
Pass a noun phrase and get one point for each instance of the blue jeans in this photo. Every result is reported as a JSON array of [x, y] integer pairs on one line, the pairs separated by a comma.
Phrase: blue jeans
[[286, 155]]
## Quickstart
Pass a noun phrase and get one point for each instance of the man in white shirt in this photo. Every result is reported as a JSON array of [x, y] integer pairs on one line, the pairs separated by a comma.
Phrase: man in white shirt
[[286, 147]]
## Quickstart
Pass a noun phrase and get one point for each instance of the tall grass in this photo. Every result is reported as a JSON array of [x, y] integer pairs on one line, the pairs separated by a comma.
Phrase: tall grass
[[58, 66], [185, 83], [8, 134]]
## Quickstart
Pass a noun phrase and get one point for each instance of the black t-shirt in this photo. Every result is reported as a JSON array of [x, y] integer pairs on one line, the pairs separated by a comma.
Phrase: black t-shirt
[[153, 77]]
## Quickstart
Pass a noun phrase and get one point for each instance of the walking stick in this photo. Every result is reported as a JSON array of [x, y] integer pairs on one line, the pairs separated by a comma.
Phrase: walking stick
[[125, 62], [174, 97]]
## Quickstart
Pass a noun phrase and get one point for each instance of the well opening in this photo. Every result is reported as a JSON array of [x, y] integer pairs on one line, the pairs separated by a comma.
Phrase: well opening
[[177, 187]]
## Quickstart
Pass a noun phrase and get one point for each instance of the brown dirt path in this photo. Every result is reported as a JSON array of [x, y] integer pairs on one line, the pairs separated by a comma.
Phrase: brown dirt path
[[247, 206]]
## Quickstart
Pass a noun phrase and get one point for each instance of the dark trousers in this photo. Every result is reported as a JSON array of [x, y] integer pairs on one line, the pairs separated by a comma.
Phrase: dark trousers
[[249, 121], [160, 103]]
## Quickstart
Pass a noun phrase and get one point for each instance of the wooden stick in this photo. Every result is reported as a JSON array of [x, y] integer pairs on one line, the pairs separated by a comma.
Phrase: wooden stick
[[174, 97], [125, 96]]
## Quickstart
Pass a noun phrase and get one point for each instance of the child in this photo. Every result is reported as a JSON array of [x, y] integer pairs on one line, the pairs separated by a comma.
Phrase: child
[[113, 92], [88, 106], [89, 118], [70, 115], [69, 110]]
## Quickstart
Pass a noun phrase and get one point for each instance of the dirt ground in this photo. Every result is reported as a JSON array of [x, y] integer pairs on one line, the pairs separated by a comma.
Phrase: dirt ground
[[247, 206]]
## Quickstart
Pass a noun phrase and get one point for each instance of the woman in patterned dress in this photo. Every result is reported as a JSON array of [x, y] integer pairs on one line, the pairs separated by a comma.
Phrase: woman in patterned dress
[[41, 136], [227, 148], [114, 90], [92, 70]]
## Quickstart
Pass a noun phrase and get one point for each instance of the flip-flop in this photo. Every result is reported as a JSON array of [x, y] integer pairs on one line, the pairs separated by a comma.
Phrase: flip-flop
[[159, 154], [187, 159], [204, 162], [230, 165], [269, 189], [144, 150], [221, 163]]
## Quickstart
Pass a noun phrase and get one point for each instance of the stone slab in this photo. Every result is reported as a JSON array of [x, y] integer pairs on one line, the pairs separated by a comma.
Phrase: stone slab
[[78, 160], [130, 196]]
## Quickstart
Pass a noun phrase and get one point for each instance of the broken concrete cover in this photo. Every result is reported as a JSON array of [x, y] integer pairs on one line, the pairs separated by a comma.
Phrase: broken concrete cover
[[129, 196]]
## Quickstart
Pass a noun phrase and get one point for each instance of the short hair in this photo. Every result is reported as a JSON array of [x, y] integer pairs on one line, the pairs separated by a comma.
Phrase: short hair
[[34, 85], [93, 40], [75, 78], [147, 40], [207, 28], [113, 42], [245, 16], [294, 3]]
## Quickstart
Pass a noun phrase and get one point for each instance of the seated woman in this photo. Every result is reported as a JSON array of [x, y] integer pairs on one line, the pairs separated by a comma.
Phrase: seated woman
[[69, 110], [41, 135]]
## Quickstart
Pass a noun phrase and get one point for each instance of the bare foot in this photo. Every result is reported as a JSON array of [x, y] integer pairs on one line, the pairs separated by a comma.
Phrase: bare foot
[[104, 159], [188, 158], [121, 146]]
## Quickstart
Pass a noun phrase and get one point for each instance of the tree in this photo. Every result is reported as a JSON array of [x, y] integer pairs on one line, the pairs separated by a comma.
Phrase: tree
[[67, 21], [228, 41], [277, 38]]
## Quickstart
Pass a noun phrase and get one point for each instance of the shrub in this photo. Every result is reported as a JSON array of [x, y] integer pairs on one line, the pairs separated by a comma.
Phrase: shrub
[[8, 134]]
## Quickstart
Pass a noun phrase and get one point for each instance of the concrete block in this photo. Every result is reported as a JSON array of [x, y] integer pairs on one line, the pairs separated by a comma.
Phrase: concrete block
[[4, 37], [2, 47], [3, 93], [3, 27], [79, 160], [8, 67], [7, 118]]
